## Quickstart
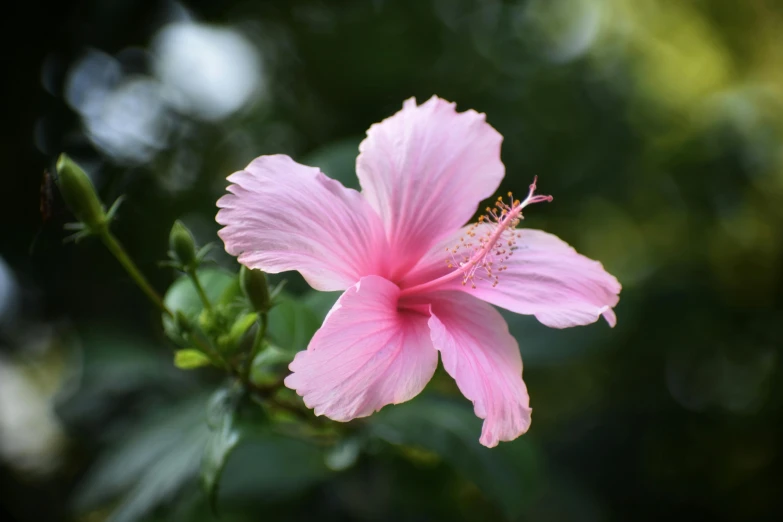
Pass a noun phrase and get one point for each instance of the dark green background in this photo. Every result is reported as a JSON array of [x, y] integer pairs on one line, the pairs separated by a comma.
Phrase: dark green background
[[656, 125]]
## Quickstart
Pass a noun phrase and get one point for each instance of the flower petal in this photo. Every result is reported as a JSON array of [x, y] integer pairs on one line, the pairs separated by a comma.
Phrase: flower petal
[[366, 355], [484, 359], [280, 215], [545, 277], [425, 170]]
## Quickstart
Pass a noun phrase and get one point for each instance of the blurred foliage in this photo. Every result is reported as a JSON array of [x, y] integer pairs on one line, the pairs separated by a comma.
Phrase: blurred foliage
[[656, 124]]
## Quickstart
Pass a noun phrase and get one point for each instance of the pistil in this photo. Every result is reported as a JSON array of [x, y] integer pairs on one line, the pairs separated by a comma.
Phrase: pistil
[[492, 252]]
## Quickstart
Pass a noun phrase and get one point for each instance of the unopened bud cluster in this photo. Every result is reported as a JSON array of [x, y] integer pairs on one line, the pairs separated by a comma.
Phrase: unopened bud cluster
[[256, 289]]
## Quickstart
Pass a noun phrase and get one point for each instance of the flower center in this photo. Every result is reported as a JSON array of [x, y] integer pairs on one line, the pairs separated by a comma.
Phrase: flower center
[[482, 252]]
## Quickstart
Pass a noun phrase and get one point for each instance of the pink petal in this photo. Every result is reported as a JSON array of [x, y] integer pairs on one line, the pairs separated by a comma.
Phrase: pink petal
[[545, 277], [425, 170], [480, 354], [280, 215], [365, 356]]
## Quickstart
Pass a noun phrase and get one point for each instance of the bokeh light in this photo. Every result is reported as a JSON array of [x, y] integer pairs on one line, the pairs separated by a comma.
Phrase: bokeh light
[[210, 72]]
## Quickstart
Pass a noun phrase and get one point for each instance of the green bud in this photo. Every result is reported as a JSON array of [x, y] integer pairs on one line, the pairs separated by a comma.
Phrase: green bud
[[79, 193], [182, 248], [254, 286]]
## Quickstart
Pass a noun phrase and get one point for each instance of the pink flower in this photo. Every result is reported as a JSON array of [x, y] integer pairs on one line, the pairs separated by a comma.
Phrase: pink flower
[[415, 282]]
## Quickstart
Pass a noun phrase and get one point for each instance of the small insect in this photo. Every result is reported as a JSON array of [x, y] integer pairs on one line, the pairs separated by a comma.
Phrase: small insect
[[47, 196], [46, 204]]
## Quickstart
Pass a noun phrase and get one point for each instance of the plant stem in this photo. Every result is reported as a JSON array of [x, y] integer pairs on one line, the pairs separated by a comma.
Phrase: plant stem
[[258, 342], [116, 249], [199, 289]]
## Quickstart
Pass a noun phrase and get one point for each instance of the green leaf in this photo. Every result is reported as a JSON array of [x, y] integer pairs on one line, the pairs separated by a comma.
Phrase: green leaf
[[321, 302], [182, 296], [232, 294], [507, 474], [292, 324], [224, 437], [343, 455], [269, 365], [551, 346], [112, 366], [271, 466], [148, 464], [190, 359]]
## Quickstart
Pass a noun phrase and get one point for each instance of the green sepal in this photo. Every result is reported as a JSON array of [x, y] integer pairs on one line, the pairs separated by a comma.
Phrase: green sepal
[[203, 251], [240, 327], [114, 208]]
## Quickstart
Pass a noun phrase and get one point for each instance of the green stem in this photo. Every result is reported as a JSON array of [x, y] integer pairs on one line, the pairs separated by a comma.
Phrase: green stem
[[258, 342], [116, 249], [199, 289]]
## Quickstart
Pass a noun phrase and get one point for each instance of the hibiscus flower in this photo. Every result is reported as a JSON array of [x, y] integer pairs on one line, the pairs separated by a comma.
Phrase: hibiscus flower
[[415, 283]]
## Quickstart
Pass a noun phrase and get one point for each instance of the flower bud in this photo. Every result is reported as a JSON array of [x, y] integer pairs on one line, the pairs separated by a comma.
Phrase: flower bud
[[182, 248], [254, 286], [79, 193]]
